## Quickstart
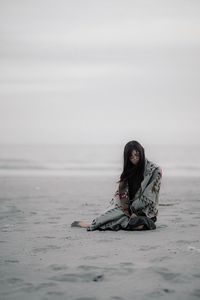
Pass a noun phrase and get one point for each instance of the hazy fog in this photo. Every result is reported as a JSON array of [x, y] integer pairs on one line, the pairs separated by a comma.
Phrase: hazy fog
[[99, 71]]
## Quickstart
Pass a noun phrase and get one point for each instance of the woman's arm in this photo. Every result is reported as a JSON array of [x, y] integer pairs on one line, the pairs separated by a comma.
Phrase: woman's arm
[[123, 200], [150, 194]]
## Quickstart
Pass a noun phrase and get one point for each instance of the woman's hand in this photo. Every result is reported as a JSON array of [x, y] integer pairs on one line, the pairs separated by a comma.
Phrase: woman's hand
[[133, 216], [126, 211]]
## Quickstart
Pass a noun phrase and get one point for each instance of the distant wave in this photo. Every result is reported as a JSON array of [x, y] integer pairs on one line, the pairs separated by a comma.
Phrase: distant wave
[[18, 164], [15, 166]]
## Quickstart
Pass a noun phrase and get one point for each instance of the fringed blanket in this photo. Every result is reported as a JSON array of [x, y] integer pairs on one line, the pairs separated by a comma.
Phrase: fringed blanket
[[144, 205]]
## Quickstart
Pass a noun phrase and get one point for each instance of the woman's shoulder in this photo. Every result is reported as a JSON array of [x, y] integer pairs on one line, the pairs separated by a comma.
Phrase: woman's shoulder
[[150, 166]]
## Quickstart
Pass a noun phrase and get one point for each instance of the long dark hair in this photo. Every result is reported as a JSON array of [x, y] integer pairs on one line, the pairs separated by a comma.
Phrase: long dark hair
[[131, 173]]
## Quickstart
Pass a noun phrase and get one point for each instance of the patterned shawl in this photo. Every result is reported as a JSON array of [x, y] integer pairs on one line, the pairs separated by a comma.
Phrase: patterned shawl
[[146, 198]]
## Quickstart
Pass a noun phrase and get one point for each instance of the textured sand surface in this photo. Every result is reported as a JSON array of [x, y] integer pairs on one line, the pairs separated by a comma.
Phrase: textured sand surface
[[42, 257]]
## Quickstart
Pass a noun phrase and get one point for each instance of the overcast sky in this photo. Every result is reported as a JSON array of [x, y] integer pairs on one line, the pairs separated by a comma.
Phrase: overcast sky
[[101, 71]]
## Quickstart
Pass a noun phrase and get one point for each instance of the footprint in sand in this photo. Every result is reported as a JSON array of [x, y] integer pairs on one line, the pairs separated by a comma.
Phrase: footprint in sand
[[74, 277], [160, 258], [124, 269], [14, 280], [86, 298], [14, 261], [168, 291], [45, 249], [46, 237], [44, 285], [33, 213], [196, 293], [30, 288], [147, 248], [126, 264], [89, 268], [167, 275], [191, 248], [55, 293], [57, 267], [95, 256], [160, 292]]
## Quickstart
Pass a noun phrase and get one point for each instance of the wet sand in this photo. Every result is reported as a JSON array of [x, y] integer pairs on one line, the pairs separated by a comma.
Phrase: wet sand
[[42, 257]]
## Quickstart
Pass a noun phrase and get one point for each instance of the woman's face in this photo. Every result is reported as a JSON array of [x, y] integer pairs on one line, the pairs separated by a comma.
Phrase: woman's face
[[135, 157]]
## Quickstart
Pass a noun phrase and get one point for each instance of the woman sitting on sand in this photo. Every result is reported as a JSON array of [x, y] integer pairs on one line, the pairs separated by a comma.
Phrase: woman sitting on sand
[[135, 203]]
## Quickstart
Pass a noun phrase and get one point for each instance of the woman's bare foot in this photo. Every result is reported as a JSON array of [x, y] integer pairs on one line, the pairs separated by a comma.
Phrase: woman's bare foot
[[82, 224]]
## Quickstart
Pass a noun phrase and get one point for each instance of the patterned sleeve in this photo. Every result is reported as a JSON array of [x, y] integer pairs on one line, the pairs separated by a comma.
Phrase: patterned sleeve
[[121, 198], [150, 193]]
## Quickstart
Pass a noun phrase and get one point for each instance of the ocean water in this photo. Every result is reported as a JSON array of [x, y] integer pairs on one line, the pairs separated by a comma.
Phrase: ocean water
[[95, 160]]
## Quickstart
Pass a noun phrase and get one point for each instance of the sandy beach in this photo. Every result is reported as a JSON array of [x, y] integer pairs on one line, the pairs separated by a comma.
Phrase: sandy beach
[[42, 257]]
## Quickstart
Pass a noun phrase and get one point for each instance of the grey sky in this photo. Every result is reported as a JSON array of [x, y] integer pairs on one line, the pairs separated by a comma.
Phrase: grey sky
[[99, 71]]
